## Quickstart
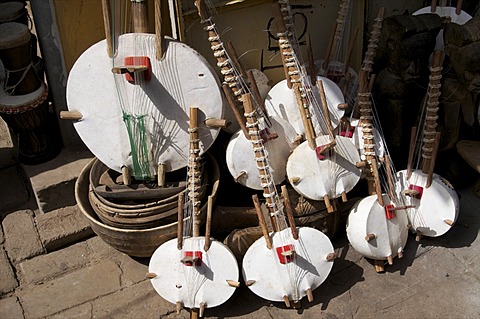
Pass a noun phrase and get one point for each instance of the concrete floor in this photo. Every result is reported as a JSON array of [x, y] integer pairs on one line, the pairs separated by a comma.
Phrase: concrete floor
[[74, 274]]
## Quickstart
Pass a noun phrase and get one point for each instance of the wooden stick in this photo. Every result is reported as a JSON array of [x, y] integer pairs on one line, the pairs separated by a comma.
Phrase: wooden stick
[[351, 46], [370, 237], [288, 210], [216, 123], [329, 206], [390, 178], [411, 151], [326, 60], [233, 283], [261, 221], [431, 114], [150, 275], [180, 221], [107, 23], [458, 9], [378, 188], [281, 28], [433, 160], [193, 156], [449, 222], [194, 313], [256, 94], [286, 300], [201, 309], [140, 16], [202, 9], [127, 179], [326, 112], [344, 197], [178, 307], [71, 115], [371, 82], [238, 115], [379, 266], [309, 294], [159, 34], [232, 53], [310, 62], [208, 223], [390, 260], [418, 236], [161, 175]]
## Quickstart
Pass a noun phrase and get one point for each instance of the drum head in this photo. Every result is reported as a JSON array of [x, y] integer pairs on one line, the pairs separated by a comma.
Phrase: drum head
[[461, 18], [437, 203], [307, 270], [204, 283], [13, 34], [368, 217], [241, 157], [281, 102], [12, 102], [330, 176], [180, 80]]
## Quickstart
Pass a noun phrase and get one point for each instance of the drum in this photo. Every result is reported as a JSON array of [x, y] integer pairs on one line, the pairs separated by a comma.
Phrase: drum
[[204, 281], [281, 102], [17, 46], [316, 176], [277, 275], [13, 11], [435, 208], [29, 117], [375, 231], [180, 80], [241, 157]]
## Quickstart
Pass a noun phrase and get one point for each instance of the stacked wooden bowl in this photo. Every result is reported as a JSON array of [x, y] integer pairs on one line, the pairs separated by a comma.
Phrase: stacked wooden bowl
[[137, 220]]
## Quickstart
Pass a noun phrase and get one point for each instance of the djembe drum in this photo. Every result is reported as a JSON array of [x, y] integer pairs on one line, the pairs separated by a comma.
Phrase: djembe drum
[[24, 97], [36, 127], [13, 11], [17, 53]]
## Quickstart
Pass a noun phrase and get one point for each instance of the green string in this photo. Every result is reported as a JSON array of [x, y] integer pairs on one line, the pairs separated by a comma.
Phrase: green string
[[138, 143]]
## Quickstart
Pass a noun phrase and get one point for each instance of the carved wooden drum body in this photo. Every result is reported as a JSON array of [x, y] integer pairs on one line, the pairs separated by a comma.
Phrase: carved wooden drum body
[[281, 102], [275, 275], [436, 207], [241, 157], [375, 232], [331, 175], [180, 80], [30, 118], [202, 281]]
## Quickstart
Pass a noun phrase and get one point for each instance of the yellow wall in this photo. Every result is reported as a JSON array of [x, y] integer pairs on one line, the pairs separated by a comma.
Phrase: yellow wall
[[80, 23]]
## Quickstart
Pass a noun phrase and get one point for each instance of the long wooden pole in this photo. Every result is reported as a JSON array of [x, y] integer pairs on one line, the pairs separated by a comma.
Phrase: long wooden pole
[[107, 24]]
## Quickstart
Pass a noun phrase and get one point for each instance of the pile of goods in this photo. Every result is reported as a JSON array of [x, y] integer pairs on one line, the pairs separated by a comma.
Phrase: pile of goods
[[150, 107]]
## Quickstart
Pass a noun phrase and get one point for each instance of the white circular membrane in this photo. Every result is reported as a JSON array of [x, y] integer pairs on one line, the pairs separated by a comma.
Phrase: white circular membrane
[[368, 217], [334, 174], [182, 79], [204, 281], [433, 206], [281, 102], [275, 276]]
